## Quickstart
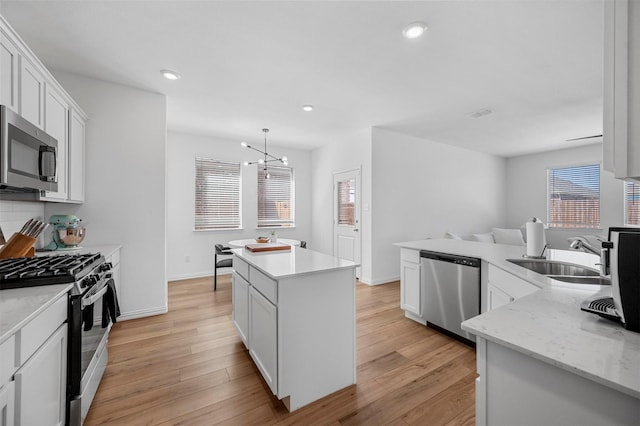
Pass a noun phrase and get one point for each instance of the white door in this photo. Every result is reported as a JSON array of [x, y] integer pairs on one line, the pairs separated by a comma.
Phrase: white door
[[346, 215]]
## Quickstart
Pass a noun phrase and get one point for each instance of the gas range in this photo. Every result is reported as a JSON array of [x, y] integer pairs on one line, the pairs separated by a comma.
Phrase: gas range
[[49, 270]]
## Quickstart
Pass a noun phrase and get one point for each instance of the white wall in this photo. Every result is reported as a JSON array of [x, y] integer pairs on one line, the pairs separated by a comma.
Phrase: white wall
[[351, 151], [423, 189], [14, 214], [125, 185], [527, 191], [189, 252]]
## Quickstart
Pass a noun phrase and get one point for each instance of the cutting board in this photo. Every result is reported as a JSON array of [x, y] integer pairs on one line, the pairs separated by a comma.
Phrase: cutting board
[[258, 247]]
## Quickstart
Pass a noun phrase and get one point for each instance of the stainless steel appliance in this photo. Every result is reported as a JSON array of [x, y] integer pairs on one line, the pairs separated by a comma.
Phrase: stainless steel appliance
[[92, 299], [623, 301], [27, 155], [451, 288]]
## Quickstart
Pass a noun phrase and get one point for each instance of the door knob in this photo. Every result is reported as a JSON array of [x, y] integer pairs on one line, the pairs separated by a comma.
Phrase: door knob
[[355, 230]]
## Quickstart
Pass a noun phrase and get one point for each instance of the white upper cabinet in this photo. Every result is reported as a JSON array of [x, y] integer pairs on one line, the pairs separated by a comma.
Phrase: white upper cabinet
[[57, 125], [76, 156], [621, 128], [8, 73], [31, 93], [28, 88]]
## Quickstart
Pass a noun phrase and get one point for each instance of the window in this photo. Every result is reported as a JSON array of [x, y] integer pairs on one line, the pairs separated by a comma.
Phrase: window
[[217, 194], [631, 203], [276, 204], [347, 202], [574, 197]]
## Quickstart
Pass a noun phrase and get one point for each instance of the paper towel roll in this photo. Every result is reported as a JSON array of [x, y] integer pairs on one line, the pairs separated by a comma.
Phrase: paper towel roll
[[535, 237]]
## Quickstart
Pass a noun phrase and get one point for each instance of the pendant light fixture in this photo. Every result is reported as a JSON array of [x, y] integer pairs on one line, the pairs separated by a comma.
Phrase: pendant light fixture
[[268, 158]]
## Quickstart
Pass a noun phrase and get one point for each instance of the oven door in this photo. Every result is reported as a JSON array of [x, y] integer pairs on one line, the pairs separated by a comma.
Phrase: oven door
[[88, 350], [27, 154]]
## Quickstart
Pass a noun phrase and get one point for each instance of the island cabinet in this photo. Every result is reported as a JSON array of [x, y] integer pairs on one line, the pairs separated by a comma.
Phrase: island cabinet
[[295, 313]]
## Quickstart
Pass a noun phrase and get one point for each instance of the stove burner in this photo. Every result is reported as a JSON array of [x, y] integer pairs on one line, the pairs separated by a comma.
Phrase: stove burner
[[46, 270]]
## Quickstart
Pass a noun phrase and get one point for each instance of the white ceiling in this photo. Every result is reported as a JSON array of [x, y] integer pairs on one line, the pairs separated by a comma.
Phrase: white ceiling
[[247, 65]]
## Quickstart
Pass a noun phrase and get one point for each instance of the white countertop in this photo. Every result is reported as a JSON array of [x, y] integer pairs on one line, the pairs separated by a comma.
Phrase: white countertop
[[297, 261], [19, 306], [548, 325]]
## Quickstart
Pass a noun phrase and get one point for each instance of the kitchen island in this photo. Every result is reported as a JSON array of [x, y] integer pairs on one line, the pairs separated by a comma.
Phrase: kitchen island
[[540, 359], [295, 312]]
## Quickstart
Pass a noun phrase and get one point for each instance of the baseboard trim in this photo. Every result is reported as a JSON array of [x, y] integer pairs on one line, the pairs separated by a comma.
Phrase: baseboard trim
[[201, 274], [124, 316], [379, 281]]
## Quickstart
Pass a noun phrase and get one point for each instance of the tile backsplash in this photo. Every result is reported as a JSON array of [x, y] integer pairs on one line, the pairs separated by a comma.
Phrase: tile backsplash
[[14, 214]]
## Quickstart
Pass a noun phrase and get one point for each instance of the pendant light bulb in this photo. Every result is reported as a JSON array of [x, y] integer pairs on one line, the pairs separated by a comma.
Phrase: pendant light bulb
[[267, 175]]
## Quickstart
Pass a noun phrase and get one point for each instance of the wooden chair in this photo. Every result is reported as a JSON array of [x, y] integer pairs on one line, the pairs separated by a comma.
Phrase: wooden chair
[[222, 263]]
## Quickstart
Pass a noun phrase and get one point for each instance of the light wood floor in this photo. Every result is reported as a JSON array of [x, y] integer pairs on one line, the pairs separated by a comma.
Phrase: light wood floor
[[190, 367]]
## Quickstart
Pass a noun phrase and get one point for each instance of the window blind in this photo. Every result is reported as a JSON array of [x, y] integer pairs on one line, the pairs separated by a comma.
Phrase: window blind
[[574, 197], [631, 203], [276, 203], [217, 194]]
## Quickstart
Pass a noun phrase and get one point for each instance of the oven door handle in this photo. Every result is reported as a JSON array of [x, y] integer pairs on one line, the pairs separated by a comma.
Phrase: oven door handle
[[91, 300]]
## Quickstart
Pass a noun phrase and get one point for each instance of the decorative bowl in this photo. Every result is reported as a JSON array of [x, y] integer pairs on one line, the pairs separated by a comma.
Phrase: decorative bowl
[[262, 240]]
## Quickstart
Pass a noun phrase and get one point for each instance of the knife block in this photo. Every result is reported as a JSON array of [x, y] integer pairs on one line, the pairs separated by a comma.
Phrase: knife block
[[19, 245]]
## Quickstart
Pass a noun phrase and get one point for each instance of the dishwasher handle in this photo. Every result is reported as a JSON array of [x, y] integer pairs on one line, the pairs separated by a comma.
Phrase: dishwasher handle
[[451, 258]]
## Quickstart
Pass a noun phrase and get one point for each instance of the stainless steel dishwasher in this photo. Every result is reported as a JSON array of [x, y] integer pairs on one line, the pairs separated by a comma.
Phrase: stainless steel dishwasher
[[451, 286]]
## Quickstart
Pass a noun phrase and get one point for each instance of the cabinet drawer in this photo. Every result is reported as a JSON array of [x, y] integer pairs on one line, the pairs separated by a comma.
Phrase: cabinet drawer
[[7, 359], [264, 284], [510, 284], [410, 255], [34, 334], [241, 267]]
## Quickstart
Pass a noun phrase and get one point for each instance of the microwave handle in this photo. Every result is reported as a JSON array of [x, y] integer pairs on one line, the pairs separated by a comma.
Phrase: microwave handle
[[44, 171]]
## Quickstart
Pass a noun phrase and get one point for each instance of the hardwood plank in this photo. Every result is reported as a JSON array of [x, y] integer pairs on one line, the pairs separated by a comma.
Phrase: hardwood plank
[[189, 367]]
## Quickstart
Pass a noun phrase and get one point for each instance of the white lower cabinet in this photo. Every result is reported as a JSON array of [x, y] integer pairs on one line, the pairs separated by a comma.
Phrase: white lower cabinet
[[7, 394], [240, 296], [497, 297], [263, 337], [410, 291], [299, 329], [503, 287], [40, 383]]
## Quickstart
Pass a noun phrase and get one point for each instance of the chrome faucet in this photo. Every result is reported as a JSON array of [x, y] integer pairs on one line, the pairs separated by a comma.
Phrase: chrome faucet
[[580, 243]]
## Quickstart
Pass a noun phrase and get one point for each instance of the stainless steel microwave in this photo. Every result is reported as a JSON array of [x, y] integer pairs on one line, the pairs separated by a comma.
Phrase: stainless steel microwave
[[27, 155]]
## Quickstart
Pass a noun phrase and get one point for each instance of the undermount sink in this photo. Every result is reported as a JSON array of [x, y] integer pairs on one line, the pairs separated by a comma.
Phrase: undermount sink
[[557, 268], [582, 279]]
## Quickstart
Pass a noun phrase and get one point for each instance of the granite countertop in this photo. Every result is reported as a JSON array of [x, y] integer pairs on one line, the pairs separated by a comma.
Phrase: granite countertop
[[297, 261], [19, 306], [548, 324]]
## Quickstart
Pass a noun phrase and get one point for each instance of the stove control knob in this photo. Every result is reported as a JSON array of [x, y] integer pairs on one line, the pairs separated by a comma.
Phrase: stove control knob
[[105, 266], [90, 281]]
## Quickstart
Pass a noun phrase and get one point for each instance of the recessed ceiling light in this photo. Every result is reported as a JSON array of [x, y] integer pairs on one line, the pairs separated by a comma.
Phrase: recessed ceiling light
[[414, 29], [170, 75], [307, 108]]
